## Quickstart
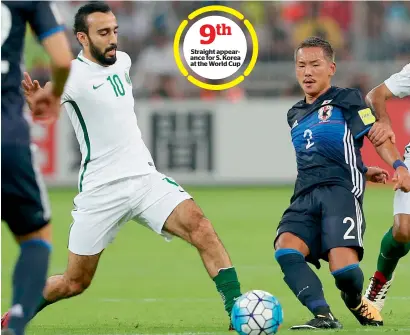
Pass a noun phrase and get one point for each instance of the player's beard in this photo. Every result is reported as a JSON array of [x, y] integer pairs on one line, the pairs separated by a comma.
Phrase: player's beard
[[100, 56]]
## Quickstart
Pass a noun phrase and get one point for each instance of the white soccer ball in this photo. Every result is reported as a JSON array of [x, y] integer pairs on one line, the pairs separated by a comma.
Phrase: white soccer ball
[[257, 313]]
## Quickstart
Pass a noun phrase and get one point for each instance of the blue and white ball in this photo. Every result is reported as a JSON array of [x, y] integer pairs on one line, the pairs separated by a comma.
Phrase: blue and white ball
[[257, 313]]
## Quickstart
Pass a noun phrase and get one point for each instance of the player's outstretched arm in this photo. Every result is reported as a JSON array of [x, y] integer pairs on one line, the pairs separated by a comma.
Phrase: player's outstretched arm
[[381, 130], [389, 153]]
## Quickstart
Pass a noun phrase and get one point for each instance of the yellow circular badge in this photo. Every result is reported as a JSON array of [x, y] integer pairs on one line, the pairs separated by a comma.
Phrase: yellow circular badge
[[215, 47]]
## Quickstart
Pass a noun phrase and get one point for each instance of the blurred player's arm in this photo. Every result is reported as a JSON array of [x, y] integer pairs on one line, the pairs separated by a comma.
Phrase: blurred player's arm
[[48, 26], [398, 85], [360, 119]]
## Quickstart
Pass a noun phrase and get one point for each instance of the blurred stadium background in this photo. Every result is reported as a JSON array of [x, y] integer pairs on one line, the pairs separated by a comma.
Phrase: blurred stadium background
[[237, 137], [200, 136]]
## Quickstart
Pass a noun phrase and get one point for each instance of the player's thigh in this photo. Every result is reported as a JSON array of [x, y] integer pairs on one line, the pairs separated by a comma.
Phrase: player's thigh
[[81, 269], [165, 206], [24, 200], [343, 223], [98, 215], [299, 228]]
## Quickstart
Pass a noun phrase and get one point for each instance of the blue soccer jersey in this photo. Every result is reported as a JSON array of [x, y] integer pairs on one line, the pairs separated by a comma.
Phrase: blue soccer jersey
[[327, 136]]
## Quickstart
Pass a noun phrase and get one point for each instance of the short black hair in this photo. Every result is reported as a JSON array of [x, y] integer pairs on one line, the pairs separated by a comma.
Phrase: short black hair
[[314, 41], [80, 20]]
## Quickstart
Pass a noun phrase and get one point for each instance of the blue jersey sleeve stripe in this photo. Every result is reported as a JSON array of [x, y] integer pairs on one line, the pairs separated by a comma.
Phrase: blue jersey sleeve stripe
[[362, 133], [50, 32]]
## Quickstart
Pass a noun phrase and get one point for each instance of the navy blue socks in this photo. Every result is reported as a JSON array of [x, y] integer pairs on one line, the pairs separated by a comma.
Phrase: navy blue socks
[[29, 278]]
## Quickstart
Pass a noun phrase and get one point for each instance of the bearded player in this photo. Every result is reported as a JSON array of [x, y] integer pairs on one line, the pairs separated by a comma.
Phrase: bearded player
[[118, 181]]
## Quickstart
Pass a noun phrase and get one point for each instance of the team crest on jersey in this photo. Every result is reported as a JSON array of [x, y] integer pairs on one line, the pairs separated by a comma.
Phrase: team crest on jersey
[[127, 78], [325, 113], [326, 102]]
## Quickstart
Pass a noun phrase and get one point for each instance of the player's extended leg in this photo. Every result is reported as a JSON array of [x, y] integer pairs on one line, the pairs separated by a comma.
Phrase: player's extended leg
[[29, 278], [74, 281], [77, 277], [344, 265], [188, 222], [394, 245], [304, 283], [25, 208]]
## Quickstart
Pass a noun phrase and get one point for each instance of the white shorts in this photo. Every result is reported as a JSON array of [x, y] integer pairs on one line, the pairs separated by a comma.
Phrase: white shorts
[[101, 212], [402, 199]]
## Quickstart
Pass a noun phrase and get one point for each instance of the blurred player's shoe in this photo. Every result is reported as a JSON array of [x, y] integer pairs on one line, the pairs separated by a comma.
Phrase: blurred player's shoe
[[377, 290], [366, 313], [5, 320], [320, 322]]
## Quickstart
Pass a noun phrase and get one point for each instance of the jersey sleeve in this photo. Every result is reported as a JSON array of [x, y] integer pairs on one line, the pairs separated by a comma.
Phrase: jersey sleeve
[[44, 19], [359, 117], [399, 83]]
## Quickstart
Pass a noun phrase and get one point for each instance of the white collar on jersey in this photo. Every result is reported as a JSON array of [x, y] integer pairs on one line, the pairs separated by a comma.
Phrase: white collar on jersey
[[82, 59]]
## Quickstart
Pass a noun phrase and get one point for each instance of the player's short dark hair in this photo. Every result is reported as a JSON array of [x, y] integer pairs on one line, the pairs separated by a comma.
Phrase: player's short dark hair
[[313, 42], [80, 20]]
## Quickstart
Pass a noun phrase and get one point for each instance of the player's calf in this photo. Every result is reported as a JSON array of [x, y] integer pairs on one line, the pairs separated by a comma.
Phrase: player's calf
[[188, 222], [75, 280], [304, 283]]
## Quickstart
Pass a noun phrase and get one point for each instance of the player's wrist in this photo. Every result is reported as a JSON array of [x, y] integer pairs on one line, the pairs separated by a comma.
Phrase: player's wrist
[[399, 163]]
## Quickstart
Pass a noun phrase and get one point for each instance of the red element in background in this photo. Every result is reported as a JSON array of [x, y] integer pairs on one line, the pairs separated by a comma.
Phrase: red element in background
[[47, 147], [399, 111]]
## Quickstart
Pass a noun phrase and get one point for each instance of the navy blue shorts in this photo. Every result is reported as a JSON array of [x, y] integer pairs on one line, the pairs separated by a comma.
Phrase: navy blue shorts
[[24, 201], [327, 217]]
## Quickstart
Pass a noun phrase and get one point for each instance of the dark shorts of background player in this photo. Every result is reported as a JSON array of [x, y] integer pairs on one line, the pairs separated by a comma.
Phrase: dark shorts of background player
[[21, 197], [325, 218]]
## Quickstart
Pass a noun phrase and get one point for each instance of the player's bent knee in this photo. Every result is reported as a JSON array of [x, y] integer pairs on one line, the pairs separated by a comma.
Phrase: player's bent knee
[[290, 241], [401, 229], [78, 286]]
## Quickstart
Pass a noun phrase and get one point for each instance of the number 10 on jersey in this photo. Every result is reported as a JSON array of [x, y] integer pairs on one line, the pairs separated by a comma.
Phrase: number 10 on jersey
[[117, 85]]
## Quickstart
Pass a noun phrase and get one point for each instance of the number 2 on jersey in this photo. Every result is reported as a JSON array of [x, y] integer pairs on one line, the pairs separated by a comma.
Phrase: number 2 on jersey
[[308, 135], [116, 84]]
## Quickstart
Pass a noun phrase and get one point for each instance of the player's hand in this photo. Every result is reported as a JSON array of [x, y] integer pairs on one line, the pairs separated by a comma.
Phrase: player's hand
[[30, 88], [377, 175], [380, 132], [401, 179], [45, 105]]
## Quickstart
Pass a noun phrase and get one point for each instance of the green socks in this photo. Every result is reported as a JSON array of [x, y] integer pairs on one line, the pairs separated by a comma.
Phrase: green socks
[[228, 287], [390, 253]]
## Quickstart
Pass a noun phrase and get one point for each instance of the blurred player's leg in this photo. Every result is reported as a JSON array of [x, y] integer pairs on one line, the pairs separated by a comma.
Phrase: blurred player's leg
[[395, 245], [188, 222], [304, 283], [25, 209]]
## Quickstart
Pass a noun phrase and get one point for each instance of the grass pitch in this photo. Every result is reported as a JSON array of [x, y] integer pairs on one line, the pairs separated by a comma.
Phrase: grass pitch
[[145, 285]]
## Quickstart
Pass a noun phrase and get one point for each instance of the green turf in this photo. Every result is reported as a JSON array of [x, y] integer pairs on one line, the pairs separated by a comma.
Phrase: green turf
[[145, 285]]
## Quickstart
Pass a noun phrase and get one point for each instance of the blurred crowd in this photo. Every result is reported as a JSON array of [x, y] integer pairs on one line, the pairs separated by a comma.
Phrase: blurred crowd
[[366, 32]]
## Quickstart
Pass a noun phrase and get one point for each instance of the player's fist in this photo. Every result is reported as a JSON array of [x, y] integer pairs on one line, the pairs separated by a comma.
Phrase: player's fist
[[377, 175], [380, 132], [401, 179]]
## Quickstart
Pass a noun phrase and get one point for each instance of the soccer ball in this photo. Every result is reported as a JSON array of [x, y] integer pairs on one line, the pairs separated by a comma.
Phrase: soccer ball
[[257, 313]]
